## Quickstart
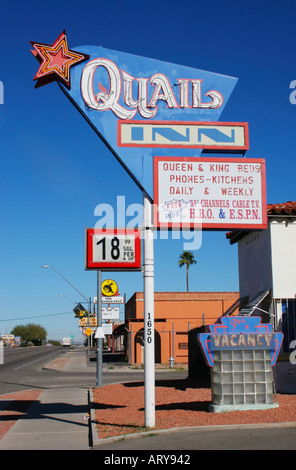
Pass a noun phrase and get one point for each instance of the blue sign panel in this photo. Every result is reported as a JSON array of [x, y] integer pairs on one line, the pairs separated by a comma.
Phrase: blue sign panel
[[233, 333], [110, 87]]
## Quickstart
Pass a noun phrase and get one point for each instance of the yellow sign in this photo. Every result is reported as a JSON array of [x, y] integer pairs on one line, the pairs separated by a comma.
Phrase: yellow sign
[[109, 288], [84, 321], [88, 331], [79, 314]]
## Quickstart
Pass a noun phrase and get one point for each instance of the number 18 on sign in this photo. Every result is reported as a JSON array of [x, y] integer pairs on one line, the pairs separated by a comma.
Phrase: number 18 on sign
[[113, 249]]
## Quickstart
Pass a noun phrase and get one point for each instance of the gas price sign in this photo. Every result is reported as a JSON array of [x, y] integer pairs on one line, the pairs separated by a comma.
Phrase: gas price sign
[[113, 249]]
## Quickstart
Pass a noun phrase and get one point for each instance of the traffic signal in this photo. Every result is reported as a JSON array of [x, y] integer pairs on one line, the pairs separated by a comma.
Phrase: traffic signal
[[79, 311]]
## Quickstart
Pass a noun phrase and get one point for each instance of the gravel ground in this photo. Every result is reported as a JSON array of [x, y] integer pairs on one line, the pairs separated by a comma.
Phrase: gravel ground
[[119, 408]]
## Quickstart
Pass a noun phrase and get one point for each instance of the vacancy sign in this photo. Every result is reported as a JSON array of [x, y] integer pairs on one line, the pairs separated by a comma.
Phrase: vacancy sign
[[210, 193], [209, 136], [113, 249]]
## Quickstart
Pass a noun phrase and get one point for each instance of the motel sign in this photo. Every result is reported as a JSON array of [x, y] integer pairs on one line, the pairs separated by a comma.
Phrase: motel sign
[[240, 333], [142, 108]]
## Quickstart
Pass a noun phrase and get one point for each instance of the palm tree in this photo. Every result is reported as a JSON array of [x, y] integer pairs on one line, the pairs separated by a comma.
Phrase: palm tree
[[186, 258]]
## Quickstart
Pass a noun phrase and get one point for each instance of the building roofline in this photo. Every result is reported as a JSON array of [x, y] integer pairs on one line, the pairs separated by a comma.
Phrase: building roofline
[[274, 211]]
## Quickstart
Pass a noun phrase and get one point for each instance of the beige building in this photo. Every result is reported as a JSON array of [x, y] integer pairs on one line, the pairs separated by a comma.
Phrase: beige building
[[267, 274]]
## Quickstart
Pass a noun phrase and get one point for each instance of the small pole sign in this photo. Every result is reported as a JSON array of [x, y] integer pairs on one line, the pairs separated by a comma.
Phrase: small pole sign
[[119, 299], [107, 328], [110, 313], [109, 288]]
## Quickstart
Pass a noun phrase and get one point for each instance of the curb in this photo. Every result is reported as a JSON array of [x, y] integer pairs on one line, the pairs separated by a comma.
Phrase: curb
[[94, 438], [108, 440]]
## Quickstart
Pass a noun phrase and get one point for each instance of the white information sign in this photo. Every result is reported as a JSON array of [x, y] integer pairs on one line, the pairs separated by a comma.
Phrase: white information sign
[[107, 328], [118, 299], [220, 193], [110, 313]]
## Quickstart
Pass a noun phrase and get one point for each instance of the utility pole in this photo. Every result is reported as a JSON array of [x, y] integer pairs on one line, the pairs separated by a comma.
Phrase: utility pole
[[99, 375], [149, 353]]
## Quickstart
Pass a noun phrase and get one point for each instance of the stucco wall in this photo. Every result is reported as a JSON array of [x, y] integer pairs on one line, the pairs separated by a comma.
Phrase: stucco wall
[[267, 260], [283, 248], [255, 270], [175, 313]]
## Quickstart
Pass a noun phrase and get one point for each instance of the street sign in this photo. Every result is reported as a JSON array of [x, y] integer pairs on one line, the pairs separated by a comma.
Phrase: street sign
[[88, 331], [209, 136], [113, 300], [107, 328], [109, 287], [210, 193], [92, 321], [118, 299], [110, 313], [79, 310], [113, 249]]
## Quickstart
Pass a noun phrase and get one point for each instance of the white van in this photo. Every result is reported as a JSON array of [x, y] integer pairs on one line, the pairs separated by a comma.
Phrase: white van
[[66, 342]]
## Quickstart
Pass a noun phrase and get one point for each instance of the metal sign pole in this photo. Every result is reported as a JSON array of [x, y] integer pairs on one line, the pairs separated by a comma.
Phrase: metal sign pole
[[99, 380], [149, 353], [88, 324]]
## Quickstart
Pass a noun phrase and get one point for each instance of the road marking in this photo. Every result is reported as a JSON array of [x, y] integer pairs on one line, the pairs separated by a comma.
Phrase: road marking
[[32, 362]]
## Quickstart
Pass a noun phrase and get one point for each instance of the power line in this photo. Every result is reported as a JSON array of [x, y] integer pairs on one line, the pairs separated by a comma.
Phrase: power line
[[38, 316]]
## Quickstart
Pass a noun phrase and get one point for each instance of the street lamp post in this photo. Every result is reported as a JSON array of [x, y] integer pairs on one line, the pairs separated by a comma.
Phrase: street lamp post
[[63, 295], [87, 300], [50, 266]]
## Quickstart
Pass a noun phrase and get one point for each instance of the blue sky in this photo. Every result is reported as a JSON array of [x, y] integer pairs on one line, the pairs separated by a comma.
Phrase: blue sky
[[51, 183]]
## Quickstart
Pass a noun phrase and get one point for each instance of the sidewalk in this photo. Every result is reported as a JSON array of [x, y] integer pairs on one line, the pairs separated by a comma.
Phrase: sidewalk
[[54, 422], [57, 420]]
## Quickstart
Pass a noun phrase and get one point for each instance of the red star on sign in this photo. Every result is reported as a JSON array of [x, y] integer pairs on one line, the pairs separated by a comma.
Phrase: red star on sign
[[56, 60]]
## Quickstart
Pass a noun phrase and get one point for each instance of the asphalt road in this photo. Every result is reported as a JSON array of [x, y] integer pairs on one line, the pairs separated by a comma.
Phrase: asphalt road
[[23, 369]]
